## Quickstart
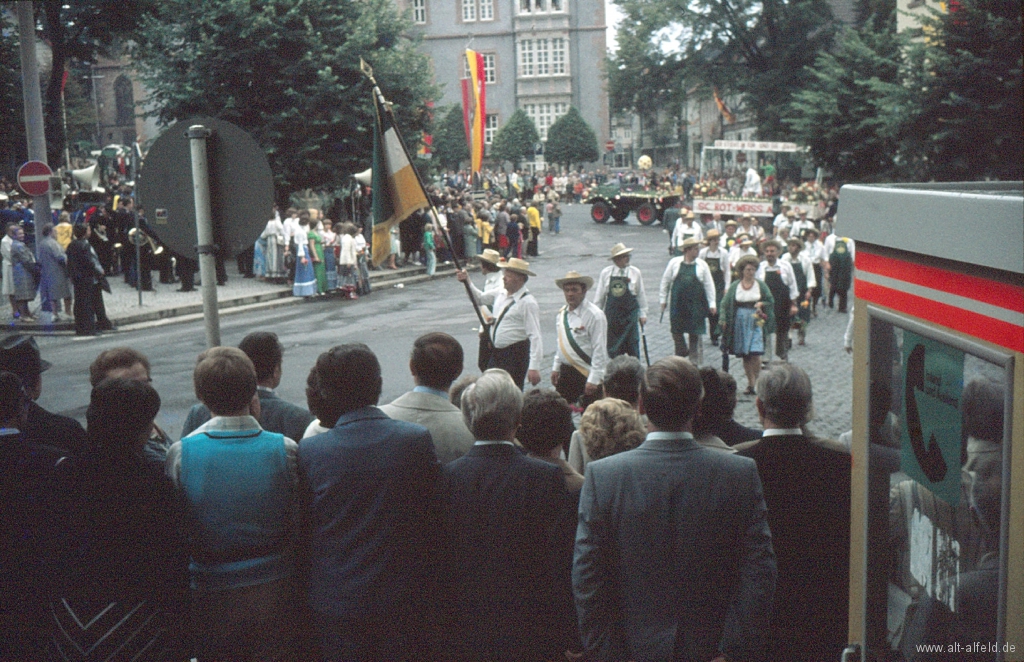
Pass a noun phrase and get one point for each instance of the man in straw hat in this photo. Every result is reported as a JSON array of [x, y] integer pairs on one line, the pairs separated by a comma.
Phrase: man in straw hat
[[803, 270], [688, 285], [801, 225], [781, 280], [514, 327], [620, 294], [686, 228], [718, 263], [582, 351]]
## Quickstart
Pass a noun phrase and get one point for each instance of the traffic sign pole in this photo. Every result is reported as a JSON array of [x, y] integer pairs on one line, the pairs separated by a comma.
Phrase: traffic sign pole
[[197, 135], [33, 99]]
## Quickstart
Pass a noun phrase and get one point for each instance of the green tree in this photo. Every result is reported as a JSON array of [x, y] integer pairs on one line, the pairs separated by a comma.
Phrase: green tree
[[287, 71], [571, 140], [13, 146], [760, 48], [515, 140], [450, 148], [836, 115]]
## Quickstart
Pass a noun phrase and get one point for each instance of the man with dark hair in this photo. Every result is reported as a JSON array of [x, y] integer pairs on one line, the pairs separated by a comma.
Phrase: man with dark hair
[[20, 354], [435, 363], [807, 489], [241, 485], [622, 379], [276, 415], [545, 430], [371, 514], [649, 549]]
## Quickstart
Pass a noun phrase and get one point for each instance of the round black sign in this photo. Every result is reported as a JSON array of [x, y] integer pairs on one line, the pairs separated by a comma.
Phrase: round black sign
[[241, 188]]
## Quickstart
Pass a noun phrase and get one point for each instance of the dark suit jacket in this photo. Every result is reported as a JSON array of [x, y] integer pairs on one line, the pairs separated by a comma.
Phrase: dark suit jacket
[[673, 557], [46, 428], [807, 489], [276, 415], [371, 506], [509, 528]]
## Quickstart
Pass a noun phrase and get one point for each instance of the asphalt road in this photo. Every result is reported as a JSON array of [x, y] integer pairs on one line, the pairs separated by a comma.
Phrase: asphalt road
[[390, 319]]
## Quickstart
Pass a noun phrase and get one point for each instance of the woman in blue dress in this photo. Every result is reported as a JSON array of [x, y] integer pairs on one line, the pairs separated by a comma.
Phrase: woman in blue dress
[[747, 317], [305, 277]]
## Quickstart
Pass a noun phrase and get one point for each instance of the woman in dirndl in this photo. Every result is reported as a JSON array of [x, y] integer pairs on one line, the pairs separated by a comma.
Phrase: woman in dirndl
[[747, 317], [330, 237], [273, 249], [305, 278]]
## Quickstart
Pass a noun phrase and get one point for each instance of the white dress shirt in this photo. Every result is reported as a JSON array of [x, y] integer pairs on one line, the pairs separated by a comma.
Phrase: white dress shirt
[[292, 229], [521, 322], [735, 253], [703, 274], [636, 286], [723, 261], [684, 229], [799, 227], [830, 245], [805, 263], [590, 331], [785, 270]]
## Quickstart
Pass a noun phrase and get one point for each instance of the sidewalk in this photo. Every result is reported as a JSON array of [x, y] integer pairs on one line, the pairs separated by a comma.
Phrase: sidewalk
[[165, 303]]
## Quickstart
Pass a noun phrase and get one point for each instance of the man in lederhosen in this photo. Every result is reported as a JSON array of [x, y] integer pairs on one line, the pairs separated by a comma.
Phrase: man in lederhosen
[[688, 285], [781, 281], [718, 263], [803, 270], [514, 326], [581, 354], [620, 294]]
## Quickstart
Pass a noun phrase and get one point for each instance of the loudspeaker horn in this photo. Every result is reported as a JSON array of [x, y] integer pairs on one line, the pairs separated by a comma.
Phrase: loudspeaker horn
[[88, 178]]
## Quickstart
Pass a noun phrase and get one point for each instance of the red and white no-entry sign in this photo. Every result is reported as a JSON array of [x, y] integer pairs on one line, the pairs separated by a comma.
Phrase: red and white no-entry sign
[[34, 178]]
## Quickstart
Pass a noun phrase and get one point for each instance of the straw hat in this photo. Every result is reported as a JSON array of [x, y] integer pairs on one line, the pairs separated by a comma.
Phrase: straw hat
[[790, 213], [620, 249], [690, 242], [490, 255], [575, 277], [731, 222], [795, 240], [518, 266], [713, 233], [689, 213], [746, 241]]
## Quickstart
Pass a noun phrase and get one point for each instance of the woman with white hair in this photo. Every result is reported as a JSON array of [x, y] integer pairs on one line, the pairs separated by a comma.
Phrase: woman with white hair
[[510, 530]]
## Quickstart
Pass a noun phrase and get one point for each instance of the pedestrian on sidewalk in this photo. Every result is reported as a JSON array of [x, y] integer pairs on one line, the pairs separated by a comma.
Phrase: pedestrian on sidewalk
[[26, 269], [429, 249], [89, 281], [53, 286], [305, 278]]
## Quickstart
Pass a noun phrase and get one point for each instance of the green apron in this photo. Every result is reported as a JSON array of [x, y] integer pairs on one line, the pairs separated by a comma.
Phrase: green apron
[[841, 273], [804, 314], [689, 303], [623, 312], [779, 290], [717, 275]]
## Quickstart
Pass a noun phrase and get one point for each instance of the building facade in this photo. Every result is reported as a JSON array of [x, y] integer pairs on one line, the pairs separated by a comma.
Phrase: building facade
[[539, 55]]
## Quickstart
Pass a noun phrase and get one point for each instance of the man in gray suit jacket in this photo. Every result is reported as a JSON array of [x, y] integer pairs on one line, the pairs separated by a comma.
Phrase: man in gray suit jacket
[[435, 363], [673, 556]]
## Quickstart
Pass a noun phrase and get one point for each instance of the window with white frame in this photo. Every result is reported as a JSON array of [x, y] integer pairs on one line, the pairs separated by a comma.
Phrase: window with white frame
[[541, 6], [543, 58], [490, 128], [468, 10], [544, 115], [490, 75], [526, 67], [486, 10], [419, 11], [558, 56]]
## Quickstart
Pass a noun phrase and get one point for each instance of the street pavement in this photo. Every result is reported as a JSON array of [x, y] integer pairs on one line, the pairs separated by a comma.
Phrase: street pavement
[[170, 332]]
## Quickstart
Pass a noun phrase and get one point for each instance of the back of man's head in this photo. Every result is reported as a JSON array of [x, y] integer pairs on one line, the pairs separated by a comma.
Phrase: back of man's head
[[225, 380], [784, 391], [265, 351], [118, 358], [436, 360], [622, 378], [670, 393], [349, 378]]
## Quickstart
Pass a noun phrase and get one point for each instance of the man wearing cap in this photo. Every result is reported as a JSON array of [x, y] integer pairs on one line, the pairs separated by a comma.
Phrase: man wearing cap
[[20, 354], [686, 228], [717, 261], [582, 351], [620, 294], [750, 228], [688, 285], [801, 225], [803, 270], [514, 327], [781, 281]]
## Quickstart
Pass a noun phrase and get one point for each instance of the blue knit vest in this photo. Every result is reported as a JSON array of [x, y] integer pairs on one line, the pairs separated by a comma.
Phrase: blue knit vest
[[240, 493]]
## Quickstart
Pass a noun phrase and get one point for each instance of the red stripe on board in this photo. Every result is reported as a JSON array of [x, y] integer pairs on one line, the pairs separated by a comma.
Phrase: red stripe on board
[[972, 287], [973, 324]]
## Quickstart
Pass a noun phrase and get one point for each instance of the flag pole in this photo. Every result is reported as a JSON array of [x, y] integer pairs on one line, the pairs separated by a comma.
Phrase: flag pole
[[368, 72]]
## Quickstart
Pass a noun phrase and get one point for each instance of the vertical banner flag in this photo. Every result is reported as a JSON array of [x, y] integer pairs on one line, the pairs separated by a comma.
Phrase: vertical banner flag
[[397, 191], [727, 114], [474, 108]]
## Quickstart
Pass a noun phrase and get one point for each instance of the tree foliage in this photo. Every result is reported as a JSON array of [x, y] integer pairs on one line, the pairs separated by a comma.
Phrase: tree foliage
[[571, 140], [13, 146], [450, 148], [515, 140], [287, 72], [759, 48]]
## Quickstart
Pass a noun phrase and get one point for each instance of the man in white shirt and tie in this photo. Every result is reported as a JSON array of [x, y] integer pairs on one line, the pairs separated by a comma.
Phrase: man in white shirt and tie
[[582, 351], [514, 327]]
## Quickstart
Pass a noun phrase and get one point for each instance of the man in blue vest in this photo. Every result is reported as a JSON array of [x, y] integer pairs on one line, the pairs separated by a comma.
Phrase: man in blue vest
[[241, 485]]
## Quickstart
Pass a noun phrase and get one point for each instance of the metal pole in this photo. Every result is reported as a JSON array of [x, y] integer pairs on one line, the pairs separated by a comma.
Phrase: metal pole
[[34, 128], [197, 135]]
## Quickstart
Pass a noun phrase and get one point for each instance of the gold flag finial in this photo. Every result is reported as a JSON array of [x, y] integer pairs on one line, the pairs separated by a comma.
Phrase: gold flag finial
[[366, 69]]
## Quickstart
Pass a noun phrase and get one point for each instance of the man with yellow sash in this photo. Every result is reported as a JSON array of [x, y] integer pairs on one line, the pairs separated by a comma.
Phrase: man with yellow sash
[[582, 351]]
